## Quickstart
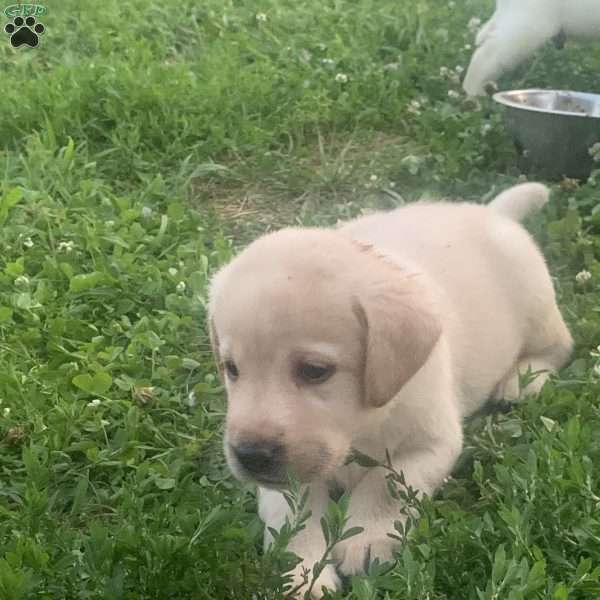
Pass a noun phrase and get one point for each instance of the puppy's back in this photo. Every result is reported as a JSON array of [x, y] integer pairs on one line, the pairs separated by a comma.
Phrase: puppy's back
[[493, 277]]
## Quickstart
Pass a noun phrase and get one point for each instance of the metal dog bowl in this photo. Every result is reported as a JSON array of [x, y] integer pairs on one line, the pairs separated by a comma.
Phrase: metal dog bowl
[[553, 130]]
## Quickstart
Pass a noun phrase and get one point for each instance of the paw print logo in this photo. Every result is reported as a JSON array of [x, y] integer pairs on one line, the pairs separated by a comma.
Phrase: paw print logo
[[24, 31]]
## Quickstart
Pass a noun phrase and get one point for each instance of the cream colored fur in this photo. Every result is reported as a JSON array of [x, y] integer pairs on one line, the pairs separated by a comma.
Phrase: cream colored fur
[[519, 27], [426, 312]]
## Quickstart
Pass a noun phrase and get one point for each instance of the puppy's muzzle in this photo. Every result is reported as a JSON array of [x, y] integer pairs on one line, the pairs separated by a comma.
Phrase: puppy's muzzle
[[260, 458]]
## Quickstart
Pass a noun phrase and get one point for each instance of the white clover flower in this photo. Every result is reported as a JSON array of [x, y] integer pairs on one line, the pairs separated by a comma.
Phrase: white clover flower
[[66, 246], [180, 287], [28, 242], [414, 107], [453, 94], [459, 70], [594, 152], [373, 178], [22, 281], [96, 402], [444, 71], [468, 46], [191, 399], [341, 78], [6, 412], [583, 276], [172, 271], [474, 24], [261, 17], [486, 128], [412, 163], [595, 353], [328, 62], [146, 212], [305, 55]]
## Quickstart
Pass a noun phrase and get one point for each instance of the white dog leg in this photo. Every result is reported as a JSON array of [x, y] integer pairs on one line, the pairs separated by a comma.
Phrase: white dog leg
[[309, 543], [507, 44], [510, 390], [486, 30], [372, 507], [546, 351]]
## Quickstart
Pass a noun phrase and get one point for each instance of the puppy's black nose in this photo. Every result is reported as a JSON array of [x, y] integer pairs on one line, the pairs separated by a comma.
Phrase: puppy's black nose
[[259, 456]]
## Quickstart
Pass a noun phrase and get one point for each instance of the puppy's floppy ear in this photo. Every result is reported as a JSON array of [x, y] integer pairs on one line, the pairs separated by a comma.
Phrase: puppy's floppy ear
[[400, 329]]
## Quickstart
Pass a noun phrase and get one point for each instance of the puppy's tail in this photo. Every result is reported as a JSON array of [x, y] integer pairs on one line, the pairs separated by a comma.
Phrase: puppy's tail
[[520, 200]]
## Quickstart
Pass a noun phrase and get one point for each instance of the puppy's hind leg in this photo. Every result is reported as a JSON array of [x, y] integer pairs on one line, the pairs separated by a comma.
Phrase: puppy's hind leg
[[547, 350], [533, 371]]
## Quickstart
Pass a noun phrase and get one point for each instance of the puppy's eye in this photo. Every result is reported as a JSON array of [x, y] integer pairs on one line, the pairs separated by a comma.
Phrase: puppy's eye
[[310, 373], [232, 370]]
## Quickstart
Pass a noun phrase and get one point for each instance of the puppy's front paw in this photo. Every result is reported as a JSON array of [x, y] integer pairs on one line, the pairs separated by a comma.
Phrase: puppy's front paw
[[328, 578], [357, 552]]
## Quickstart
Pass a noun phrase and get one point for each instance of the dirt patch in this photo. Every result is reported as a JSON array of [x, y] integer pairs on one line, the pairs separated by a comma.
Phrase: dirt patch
[[335, 179]]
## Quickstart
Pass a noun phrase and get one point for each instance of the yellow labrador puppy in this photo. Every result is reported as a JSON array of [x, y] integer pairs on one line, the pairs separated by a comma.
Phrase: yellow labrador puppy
[[381, 334]]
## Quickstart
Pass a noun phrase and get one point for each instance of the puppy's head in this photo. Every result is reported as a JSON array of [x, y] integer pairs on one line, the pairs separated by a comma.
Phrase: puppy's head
[[312, 332]]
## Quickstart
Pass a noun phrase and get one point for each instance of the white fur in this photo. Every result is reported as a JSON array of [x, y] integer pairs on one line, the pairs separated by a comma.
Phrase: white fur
[[427, 311], [518, 28]]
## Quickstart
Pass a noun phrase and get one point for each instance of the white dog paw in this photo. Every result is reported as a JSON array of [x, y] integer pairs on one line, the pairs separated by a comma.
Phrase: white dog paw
[[328, 579], [357, 552]]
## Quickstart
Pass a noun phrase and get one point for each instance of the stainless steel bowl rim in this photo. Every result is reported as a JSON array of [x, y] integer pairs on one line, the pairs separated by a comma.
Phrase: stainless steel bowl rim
[[504, 99]]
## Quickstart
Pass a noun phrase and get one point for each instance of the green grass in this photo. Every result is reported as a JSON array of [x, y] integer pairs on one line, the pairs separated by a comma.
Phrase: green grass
[[139, 145]]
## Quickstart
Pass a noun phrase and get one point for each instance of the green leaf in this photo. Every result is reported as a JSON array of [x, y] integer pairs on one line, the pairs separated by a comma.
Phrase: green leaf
[[12, 197], [164, 483], [363, 589], [549, 424], [351, 533], [67, 269], [96, 384], [560, 592], [583, 568], [537, 576], [190, 363], [14, 269], [572, 432], [5, 314], [149, 339], [197, 282], [23, 300], [86, 281], [325, 529], [362, 459], [68, 151], [498, 569], [176, 211], [79, 495]]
